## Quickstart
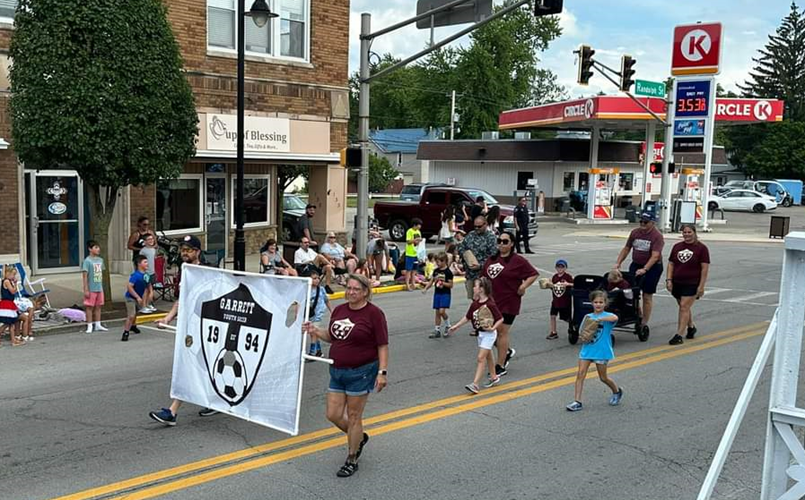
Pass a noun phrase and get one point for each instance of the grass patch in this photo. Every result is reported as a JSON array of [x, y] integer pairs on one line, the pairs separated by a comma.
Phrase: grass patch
[[352, 202]]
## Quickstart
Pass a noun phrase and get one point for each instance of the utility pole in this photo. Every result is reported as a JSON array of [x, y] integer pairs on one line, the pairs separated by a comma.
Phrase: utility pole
[[366, 77], [453, 116]]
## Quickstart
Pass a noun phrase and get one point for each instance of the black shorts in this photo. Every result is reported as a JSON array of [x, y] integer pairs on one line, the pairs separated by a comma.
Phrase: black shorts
[[648, 282], [508, 319], [562, 312], [338, 271], [679, 290]]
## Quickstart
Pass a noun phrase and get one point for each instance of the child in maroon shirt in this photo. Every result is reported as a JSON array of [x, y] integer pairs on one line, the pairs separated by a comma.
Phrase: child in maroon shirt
[[561, 303]]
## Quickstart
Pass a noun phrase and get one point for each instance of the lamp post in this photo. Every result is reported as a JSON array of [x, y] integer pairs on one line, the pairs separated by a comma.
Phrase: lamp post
[[260, 14]]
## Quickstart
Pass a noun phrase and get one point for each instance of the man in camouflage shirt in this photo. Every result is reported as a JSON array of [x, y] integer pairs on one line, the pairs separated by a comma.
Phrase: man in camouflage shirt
[[483, 244]]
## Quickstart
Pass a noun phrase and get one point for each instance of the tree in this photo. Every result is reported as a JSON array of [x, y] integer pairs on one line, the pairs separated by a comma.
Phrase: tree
[[545, 88], [774, 150], [497, 71], [779, 71], [97, 87], [381, 173]]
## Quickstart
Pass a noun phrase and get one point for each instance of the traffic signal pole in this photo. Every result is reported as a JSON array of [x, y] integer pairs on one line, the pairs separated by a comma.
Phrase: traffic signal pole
[[367, 37]]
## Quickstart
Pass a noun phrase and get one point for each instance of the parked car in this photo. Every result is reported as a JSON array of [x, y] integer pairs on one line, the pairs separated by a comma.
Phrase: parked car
[[743, 199], [771, 188], [413, 192], [396, 216], [293, 208]]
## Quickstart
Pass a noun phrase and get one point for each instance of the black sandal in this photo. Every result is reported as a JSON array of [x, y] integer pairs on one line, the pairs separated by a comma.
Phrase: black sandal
[[363, 443], [347, 469]]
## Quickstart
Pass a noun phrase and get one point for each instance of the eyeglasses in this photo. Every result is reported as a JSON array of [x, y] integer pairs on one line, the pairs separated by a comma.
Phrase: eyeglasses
[[503, 241], [331, 237], [644, 222], [305, 242]]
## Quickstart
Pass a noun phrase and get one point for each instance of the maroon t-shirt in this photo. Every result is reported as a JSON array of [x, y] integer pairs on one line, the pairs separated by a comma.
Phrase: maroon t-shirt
[[356, 334], [561, 294], [643, 243], [507, 274], [493, 308], [688, 260]]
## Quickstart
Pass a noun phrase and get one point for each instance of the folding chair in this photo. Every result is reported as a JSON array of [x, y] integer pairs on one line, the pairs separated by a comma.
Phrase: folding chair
[[28, 289], [163, 288]]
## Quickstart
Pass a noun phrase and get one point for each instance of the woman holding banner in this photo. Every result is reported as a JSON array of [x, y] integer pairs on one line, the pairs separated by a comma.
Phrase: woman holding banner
[[358, 333]]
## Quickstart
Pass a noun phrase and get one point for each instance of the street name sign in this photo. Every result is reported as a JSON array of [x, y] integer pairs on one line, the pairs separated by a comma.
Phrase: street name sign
[[697, 49], [650, 89]]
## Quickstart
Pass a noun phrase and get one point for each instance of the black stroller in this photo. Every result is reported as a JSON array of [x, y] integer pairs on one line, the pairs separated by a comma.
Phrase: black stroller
[[627, 308]]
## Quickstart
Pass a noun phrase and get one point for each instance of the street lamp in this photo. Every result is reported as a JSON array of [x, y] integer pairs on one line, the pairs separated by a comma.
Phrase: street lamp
[[260, 14]]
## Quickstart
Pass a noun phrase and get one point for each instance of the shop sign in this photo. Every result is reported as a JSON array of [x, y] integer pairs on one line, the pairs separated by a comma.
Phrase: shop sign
[[57, 208], [261, 134]]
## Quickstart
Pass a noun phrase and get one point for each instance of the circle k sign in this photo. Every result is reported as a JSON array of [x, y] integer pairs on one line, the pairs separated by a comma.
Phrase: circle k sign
[[697, 49]]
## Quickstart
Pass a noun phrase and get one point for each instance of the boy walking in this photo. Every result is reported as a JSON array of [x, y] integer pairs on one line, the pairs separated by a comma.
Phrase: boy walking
[[442, 281], [135, 291], [561, 304], [319, 302], [412, 239], [92, 271]]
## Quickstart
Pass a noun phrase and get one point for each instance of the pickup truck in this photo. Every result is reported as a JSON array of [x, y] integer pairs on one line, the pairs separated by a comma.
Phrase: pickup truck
[[396, 216]]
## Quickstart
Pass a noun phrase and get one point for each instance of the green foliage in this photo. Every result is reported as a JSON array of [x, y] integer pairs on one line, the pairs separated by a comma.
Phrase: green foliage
[[381, 173], [98, 87], [774, 149], [498, 70]]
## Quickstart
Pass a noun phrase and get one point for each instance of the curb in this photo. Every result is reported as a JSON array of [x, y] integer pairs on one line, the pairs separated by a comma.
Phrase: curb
[[153, 317]]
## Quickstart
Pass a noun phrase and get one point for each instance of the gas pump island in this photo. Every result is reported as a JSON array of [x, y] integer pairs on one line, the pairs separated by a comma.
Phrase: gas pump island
[[689, 121]]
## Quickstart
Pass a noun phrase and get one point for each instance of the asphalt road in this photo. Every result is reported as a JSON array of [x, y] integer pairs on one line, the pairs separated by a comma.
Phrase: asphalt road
[[73, 418]]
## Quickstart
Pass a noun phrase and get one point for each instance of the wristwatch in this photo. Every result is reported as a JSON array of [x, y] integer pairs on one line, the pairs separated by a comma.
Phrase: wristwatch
[[382, 372]]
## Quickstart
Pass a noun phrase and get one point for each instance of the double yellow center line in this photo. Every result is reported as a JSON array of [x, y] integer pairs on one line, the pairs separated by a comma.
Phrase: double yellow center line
[[203, 471]]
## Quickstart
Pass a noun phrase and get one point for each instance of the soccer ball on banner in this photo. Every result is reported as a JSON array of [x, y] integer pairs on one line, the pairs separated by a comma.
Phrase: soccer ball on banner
[[229, 376]]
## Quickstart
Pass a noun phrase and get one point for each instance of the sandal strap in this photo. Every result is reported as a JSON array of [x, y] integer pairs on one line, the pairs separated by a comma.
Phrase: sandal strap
[[348, 469]]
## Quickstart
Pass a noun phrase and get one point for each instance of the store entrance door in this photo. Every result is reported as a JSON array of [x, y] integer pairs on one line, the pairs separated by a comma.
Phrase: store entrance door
[[215, 213], [55, 221]]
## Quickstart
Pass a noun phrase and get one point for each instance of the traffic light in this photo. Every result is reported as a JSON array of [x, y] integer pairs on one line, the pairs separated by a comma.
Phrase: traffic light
[[656, 167], [627, 72], [547, 7], [585, 53], [351, 157]]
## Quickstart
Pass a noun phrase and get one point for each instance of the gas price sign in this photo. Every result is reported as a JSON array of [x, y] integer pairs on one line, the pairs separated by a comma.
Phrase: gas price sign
[[692, 98]]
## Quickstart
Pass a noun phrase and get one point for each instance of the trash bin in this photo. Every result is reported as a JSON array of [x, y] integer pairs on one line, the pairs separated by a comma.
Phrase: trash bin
[[631, 213], [779, 226]]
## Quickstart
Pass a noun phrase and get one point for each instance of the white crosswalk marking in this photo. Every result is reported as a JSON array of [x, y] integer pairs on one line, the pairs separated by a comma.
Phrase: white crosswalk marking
[[751, 297]]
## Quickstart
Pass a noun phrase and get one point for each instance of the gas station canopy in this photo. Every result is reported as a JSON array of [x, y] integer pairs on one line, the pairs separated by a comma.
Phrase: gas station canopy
[[621, 113]]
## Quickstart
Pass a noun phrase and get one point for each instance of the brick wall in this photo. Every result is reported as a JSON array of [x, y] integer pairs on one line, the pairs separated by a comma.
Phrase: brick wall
[[9, 184]]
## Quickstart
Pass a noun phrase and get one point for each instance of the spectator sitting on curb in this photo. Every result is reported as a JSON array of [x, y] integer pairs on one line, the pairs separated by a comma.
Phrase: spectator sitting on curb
[[305, 258], [343, 261]]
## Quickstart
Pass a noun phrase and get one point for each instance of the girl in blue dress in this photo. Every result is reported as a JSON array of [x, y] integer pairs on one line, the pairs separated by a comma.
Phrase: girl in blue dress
[[598, 351]]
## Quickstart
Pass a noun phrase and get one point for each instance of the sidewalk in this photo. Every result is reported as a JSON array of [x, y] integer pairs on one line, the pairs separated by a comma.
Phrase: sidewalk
[[66, 290], [716, 236]]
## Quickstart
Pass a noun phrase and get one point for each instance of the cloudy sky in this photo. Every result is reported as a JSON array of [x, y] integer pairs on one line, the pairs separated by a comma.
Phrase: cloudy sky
[[642, 28]]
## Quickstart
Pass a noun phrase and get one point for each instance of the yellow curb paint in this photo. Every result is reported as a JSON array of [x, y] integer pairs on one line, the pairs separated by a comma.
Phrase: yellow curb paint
[[330, 431], [257, 463]]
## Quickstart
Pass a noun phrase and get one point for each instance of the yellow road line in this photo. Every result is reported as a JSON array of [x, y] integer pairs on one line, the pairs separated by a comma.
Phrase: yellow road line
[[331, 431], [257, 463]]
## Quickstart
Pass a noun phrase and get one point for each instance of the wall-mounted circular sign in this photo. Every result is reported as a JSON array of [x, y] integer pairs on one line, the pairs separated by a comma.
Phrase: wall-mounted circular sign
[[57, 208]]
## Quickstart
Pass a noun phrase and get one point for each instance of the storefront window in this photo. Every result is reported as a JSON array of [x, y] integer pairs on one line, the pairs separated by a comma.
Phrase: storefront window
[[179, 204], [567, 181], [255, 200], [584, 178], [626, 182]]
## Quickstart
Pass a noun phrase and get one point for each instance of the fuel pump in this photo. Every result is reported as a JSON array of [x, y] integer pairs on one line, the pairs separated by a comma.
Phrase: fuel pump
[[692, 188], [603, 182]]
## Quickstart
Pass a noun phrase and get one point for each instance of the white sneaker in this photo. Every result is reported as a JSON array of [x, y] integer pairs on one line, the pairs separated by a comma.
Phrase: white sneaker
[[99, 327], [89, 329], [153, 309], [145, 310]]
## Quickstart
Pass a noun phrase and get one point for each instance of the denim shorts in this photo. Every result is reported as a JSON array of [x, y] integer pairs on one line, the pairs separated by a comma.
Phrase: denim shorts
[[358, 381], [441, 301]]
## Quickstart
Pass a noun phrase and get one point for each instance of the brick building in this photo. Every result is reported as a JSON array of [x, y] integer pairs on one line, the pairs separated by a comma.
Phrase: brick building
[[296, 114]]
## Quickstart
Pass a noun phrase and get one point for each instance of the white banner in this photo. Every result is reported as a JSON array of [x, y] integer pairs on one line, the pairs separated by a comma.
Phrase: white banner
[[239, 344]]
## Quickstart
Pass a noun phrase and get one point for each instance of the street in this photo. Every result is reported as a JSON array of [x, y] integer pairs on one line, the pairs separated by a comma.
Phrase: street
[[75, 408]]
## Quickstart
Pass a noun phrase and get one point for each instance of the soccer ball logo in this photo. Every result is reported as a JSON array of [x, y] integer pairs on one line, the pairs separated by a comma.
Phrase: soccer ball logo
[[229, 375]]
